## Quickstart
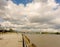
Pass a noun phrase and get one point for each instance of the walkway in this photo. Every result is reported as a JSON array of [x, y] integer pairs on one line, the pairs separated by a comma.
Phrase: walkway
[[11, 40]]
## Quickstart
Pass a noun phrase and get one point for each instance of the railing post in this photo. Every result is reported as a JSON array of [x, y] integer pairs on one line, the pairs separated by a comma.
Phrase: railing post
[[23, 40]]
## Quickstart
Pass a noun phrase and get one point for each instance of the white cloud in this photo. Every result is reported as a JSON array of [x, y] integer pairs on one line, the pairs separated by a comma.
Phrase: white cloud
[[49, 30], [38, 14]]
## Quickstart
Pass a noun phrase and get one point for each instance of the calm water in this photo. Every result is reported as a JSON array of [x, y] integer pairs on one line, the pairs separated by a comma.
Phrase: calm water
[[44, 40]]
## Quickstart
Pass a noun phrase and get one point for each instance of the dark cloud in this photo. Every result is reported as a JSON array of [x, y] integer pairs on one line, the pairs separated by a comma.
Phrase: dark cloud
[[43, 19], [2, 4], [56, 26]]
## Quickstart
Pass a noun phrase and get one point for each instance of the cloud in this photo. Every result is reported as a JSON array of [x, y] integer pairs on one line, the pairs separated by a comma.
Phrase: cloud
[[2, 4], [40, 14], [2, 7]]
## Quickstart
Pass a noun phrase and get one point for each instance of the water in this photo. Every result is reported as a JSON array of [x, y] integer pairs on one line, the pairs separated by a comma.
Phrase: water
[[44, 40]]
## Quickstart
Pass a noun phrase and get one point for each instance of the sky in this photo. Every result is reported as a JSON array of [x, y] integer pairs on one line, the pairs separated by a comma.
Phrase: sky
[[32, 15], [21, 2], [58, 1], [27, 1]]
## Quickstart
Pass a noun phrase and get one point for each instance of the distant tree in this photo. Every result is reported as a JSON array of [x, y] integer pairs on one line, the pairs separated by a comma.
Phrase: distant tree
[[57, 33], [11, 30]]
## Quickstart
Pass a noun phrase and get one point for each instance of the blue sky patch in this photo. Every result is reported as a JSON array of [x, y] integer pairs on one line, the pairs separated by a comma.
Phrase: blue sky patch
[[57, 1], [27, 1], [21, 1]]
